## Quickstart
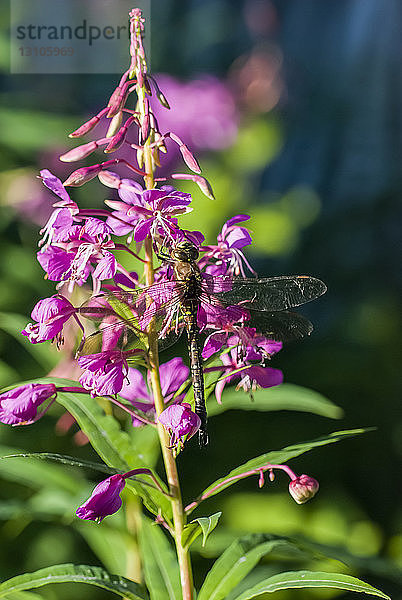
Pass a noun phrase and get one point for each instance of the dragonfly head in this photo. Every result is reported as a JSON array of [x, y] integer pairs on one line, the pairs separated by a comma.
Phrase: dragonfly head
[[185, 251]]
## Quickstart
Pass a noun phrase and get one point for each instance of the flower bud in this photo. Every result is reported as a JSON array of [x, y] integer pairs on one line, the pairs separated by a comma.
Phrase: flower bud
[[20, 405], [81, 176], [89, 125], [202, 183], [117, 100], [118, 139], [109, 179], [145, 129], [147, 86], [105, 499], [180, 421], [303, 488], [115, 124], [79, 152], [189, 159]]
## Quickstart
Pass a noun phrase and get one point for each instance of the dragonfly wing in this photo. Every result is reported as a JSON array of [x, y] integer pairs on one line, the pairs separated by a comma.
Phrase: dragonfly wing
[[281, 326], [270, 294], [125, 316]]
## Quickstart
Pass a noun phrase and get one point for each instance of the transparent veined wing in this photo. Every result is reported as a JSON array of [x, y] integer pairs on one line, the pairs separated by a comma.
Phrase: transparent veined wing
[[281, 326], [269, 294], [124, 317]]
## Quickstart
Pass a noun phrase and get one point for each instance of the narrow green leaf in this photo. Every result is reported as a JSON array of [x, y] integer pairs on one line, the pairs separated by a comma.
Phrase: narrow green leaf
[[310, 579], [46, 355], [22, 596], [204, 525], [238, 560], [279, 457], [286, 396], [69, 573], [113, 554], [66, 460], [39, 474], [160, 564]]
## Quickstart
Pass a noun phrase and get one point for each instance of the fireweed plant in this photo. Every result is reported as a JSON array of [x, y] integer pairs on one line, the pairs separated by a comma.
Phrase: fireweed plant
[[78, 249]]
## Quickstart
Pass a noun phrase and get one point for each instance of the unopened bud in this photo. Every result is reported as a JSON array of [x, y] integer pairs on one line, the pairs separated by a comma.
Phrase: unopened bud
[[116, 141], [89, 125], [145, 129], [189, 159], [162, 99], [303, 488], [81, 176], [109, 179], [117, 100], [115, 124], [202, 183], [119, 138], [147, 86], [81, 151]]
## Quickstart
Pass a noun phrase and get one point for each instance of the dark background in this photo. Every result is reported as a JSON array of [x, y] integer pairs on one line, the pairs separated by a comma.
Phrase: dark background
[[317, 163]]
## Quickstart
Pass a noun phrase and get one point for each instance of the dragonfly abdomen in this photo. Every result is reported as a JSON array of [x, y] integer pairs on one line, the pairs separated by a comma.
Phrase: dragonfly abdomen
[[196, 366]]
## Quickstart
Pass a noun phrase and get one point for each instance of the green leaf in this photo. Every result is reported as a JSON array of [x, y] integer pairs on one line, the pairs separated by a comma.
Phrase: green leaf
[[286, 396], [39, 474], [46, 355], [22, 596], [69, 573], [65, 460], [113, 554], [310, 579], [204, 525], [160, 564], [278, 457], [238, 560]]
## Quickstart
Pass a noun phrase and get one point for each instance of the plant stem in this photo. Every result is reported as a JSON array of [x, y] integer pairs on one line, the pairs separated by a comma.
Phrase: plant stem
[[179, 518], [138, 68], [168, 457]]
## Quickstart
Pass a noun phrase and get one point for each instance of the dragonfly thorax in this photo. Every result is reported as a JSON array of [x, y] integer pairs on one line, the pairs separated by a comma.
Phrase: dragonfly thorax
[[185, 252]]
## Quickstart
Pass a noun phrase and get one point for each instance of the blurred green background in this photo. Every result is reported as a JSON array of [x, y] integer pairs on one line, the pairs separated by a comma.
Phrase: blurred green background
[[294, 111]]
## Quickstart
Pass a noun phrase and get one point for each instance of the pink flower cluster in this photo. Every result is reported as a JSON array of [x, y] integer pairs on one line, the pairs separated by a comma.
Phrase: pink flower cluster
[[81, 245]]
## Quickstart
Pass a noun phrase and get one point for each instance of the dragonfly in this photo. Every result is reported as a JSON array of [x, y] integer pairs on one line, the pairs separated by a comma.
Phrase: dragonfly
[[174, 305]]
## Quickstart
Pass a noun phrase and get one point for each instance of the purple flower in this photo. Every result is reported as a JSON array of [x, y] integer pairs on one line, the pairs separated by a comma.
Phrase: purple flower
[[55, 185], [56, 262], [180, 421], [219, 317], [252, 377], [227, 257], [62, 219], [156, 213], [20, 405], [82, 247], [104, 372], [58, 228], [302, 488], [130, 193], [105, 499], [172, 374], [50, 314]]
